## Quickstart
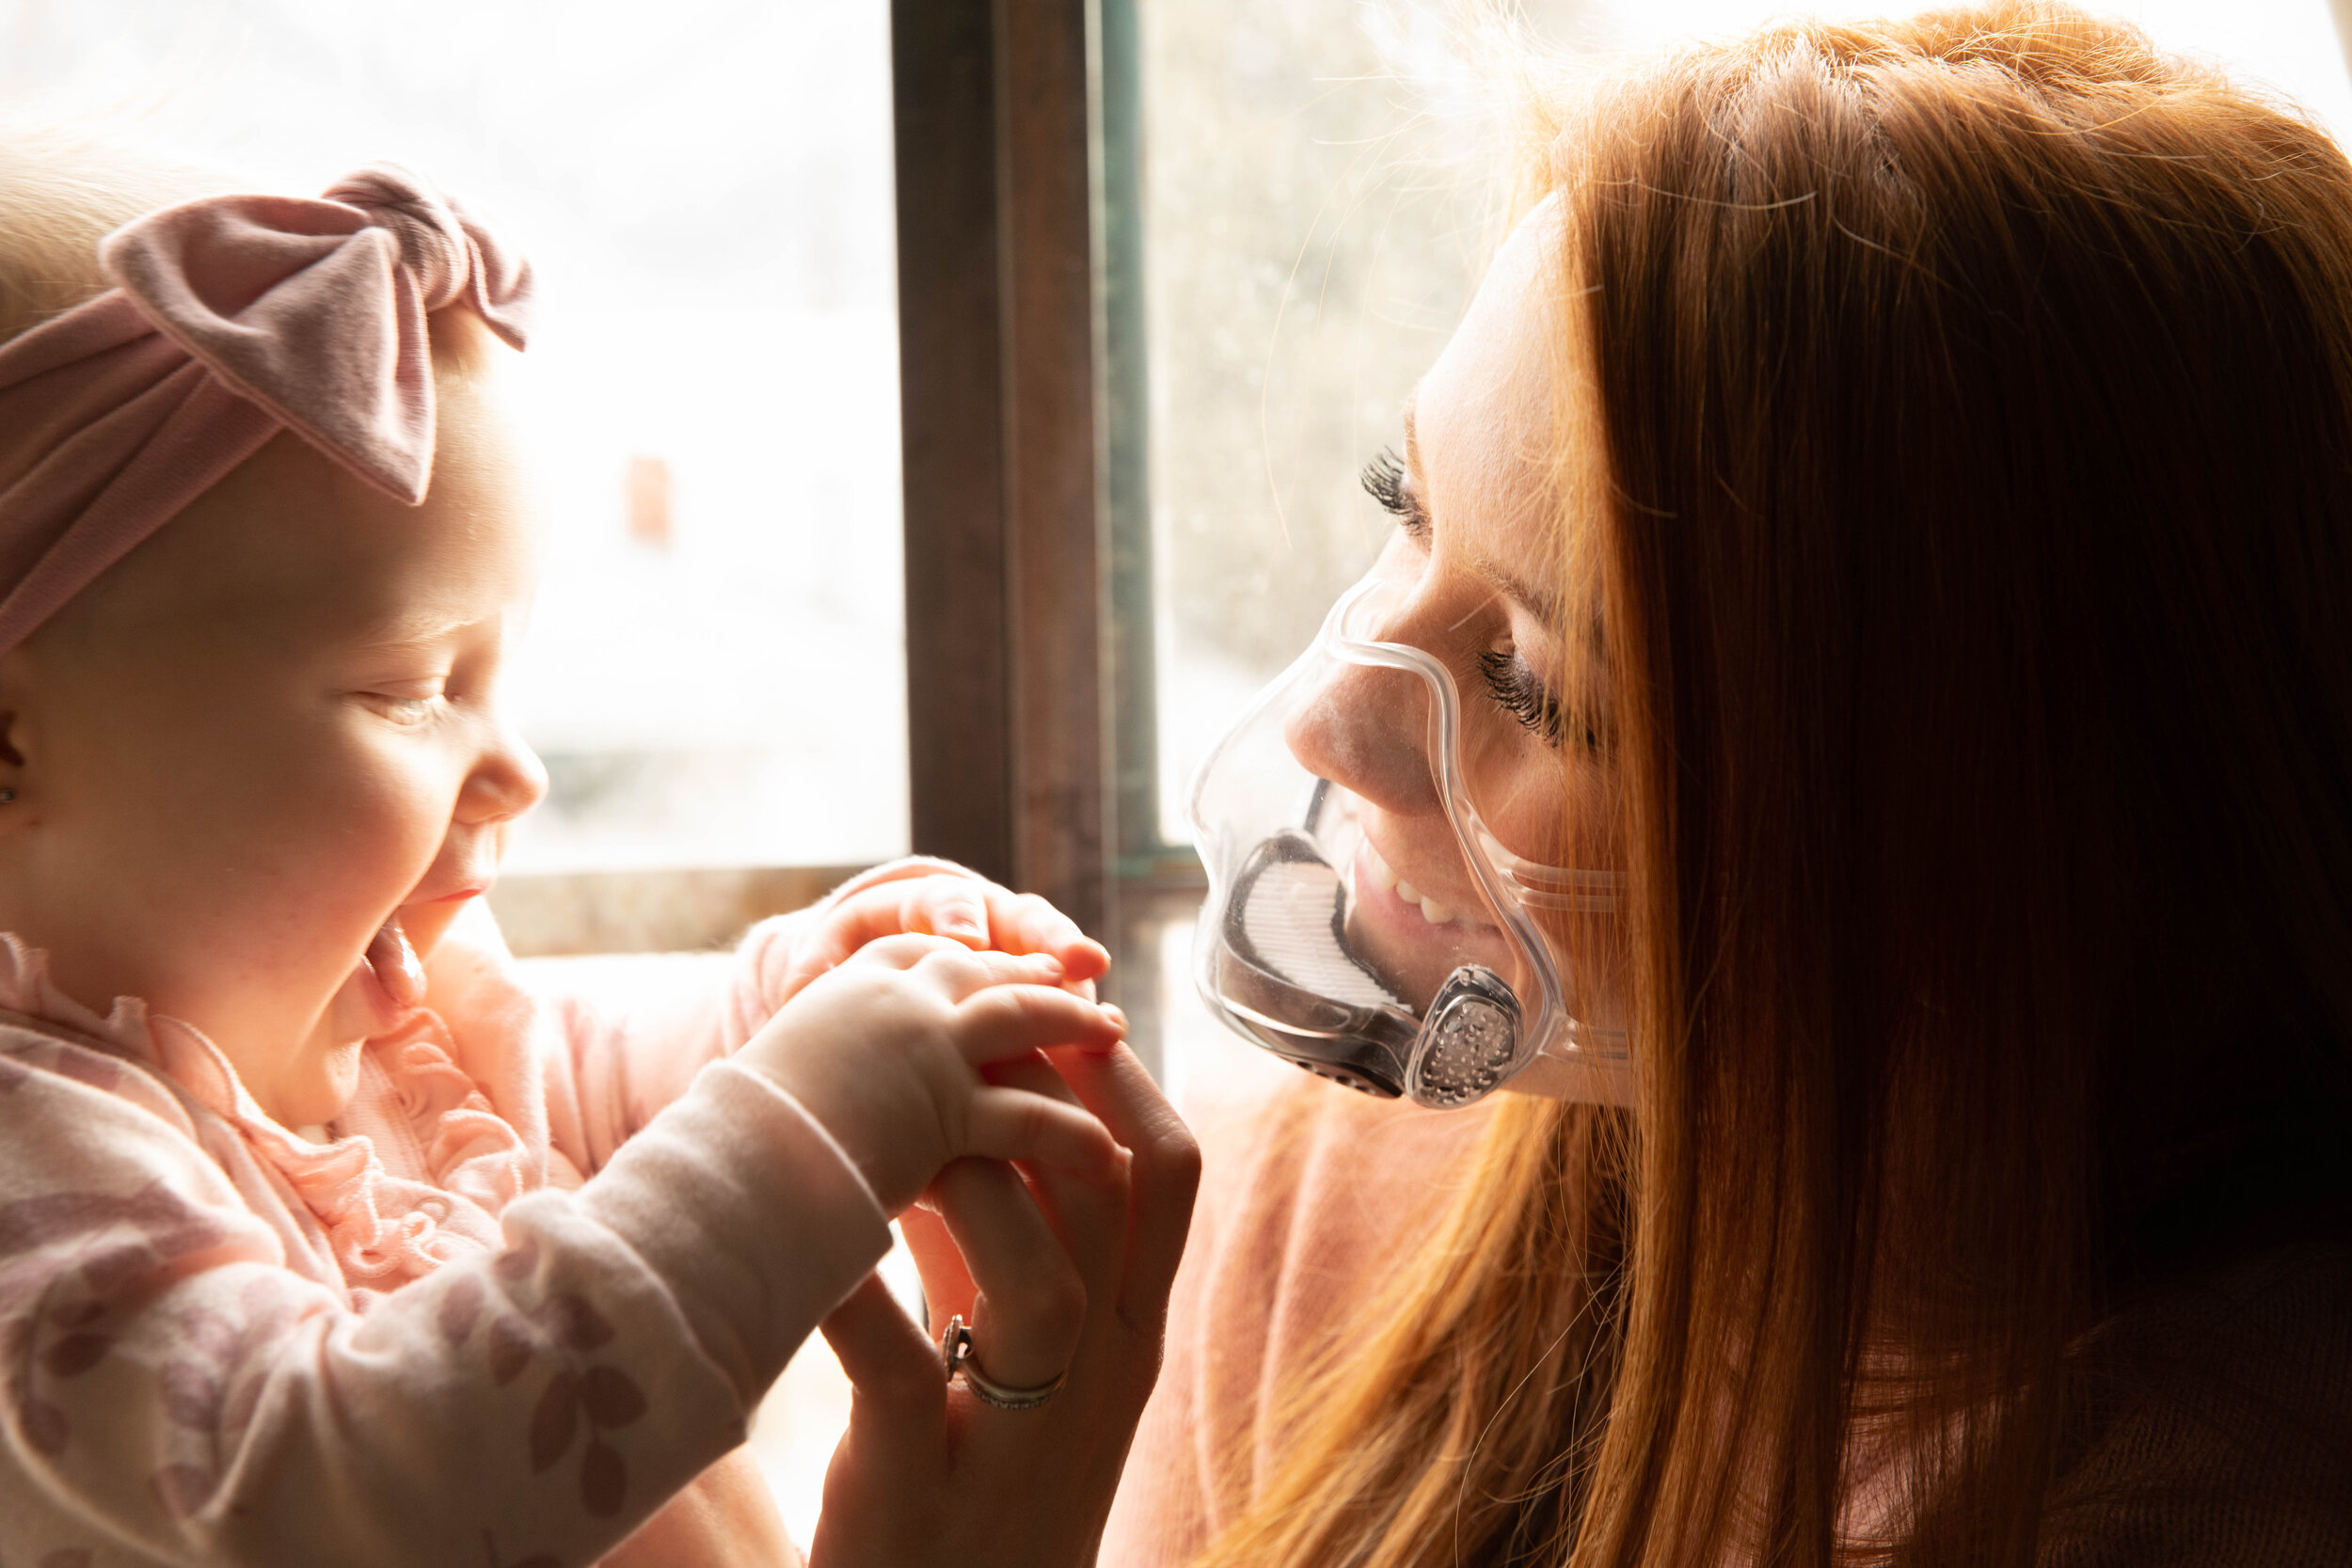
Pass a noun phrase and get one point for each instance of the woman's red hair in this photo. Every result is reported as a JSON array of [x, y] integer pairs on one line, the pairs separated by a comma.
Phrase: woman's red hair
[[1976, 394]]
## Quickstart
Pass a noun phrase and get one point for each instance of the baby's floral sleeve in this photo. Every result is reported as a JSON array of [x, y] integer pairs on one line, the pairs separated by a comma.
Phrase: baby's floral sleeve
[[617, 1038], [184, 1383]]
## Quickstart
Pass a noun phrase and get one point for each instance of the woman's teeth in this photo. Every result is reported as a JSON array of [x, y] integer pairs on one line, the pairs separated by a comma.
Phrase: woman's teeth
[[395, 963], [1431, 910]]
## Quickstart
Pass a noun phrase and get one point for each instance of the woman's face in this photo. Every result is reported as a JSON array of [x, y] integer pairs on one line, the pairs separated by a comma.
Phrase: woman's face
[[1477, 577]]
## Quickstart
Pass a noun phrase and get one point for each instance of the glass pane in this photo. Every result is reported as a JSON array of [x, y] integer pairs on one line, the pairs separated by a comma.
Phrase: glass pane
[[1309, 243], [1312, 171], [715, 675]]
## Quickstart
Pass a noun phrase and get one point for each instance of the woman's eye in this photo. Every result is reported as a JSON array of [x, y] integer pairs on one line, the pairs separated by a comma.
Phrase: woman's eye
[[1384, 481], [1524, 697]]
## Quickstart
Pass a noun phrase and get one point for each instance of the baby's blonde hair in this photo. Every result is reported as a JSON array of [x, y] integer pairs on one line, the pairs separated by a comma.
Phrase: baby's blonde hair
[[63, 187]]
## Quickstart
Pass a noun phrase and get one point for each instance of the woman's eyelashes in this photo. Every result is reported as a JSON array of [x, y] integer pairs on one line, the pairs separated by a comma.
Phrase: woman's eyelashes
[[1527, 699], [1384, 481]]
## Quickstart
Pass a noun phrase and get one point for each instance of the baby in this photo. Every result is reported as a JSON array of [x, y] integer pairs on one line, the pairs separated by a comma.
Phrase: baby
[[324, 1242]]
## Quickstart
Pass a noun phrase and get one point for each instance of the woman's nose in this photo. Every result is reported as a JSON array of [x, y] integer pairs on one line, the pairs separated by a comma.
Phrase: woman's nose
[[1367, 730], [507, 781]]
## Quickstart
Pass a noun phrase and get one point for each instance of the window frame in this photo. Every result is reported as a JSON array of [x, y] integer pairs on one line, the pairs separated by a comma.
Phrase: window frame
[[1031, 705]]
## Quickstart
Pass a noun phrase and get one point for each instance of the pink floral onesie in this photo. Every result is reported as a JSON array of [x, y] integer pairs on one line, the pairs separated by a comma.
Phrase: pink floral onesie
[[534, 1281]]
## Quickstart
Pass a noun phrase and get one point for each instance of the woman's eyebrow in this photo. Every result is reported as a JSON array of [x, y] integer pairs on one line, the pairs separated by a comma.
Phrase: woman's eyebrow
[[1545, 605]]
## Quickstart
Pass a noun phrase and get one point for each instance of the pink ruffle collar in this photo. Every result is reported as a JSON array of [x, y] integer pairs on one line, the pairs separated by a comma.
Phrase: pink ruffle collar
[[386, 1228]]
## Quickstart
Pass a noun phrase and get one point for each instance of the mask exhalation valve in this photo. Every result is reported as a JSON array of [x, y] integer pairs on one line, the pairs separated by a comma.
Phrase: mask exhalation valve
[[1470, 1042]]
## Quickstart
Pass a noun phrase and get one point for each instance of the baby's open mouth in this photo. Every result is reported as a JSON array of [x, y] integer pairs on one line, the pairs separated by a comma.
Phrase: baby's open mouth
[[394, 963]]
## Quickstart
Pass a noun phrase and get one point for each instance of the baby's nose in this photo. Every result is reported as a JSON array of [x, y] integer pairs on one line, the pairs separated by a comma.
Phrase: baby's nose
[[509, 781], [1367, 730]]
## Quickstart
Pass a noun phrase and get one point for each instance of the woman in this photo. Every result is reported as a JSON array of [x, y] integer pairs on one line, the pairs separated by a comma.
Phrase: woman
[[1887, 516]]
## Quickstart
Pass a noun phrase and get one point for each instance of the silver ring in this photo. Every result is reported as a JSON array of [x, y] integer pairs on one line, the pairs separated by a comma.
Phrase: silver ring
[[955, 1349]]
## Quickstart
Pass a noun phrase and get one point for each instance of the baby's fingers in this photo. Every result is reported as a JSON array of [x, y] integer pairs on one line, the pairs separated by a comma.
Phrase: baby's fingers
[[1008, 1022], [1014, 1124]]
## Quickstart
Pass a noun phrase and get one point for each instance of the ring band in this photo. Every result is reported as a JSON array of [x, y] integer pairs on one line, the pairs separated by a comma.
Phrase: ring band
[[955, 1349]]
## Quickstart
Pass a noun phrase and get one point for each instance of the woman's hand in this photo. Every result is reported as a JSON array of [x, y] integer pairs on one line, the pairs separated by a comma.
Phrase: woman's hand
[[887, 1053], [1053, 1273], [932, 897]]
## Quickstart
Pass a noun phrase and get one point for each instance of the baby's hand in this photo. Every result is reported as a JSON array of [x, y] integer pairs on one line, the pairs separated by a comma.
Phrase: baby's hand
[[885, 1051], [933, 897]]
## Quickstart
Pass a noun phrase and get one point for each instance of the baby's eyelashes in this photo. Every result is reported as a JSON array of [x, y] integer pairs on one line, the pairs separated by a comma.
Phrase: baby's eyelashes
[[403, 709]]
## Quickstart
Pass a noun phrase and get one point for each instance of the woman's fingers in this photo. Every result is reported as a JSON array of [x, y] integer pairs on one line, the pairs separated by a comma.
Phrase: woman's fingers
[[955, 966], [1012, 1124], [1127, 1235], [899, 1401], [1008, 1020], [920, 898], [885, 1354], [1089, 1213], [947, 1288], [1030, 1303], [1025, 923], [883, 1481], [864, 909], [940, 899], [1164, 1173], [953, 907]]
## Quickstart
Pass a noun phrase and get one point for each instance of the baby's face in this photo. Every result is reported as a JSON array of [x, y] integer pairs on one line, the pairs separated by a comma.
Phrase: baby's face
[[271, 735]]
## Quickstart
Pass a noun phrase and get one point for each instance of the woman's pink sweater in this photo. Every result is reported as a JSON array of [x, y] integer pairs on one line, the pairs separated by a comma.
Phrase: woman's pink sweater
[[1308, 1193], [535, 1280], [2216, 1431]]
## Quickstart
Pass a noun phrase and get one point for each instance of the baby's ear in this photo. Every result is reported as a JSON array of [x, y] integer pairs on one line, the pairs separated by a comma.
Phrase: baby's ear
[[16, 733], [37, 699], [12, 782]]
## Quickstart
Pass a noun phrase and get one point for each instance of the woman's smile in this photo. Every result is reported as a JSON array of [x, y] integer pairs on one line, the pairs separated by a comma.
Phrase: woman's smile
[[1413, 938], [1431, 911]]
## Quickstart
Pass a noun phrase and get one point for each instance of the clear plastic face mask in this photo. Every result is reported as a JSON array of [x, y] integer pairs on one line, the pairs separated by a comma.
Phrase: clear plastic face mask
[[1398, 947]]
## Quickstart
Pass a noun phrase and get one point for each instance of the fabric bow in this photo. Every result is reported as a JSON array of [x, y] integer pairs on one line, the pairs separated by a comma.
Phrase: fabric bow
[[232, 317]]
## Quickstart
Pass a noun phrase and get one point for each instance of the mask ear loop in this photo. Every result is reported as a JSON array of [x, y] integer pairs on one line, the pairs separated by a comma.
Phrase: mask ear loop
[[1570, 892]]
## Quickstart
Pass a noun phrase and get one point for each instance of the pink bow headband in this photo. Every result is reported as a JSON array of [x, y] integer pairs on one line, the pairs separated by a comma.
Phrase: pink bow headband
[[233, 318]]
